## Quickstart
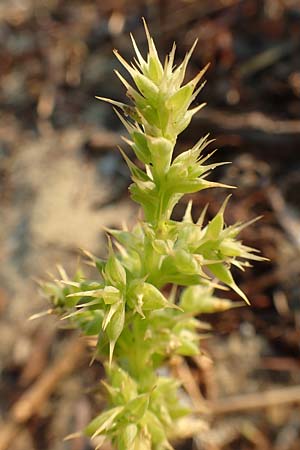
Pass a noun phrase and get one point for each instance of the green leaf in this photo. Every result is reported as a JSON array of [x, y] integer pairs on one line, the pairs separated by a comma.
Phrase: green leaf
[[123, 382], [127, 436], [185, 262], [111, 295], [91, 322], [216, 225], [180, 100], [142, 441], [115, 327], [136, 408], [137, 174], [114, 271], [161, 150], [223, 273], [156, 429], [188, 347], [155, 70], [110, 313], [200, 300], [103, 423], [149, 297], [162, 247], [140, 147], [147, 88]]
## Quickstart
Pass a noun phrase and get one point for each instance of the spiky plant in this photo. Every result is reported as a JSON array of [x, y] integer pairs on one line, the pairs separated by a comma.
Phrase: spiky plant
[[132, 307]]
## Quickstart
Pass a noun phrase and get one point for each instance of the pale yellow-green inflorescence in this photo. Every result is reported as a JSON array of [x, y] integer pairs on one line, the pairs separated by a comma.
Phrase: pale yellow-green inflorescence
[[139, 322]]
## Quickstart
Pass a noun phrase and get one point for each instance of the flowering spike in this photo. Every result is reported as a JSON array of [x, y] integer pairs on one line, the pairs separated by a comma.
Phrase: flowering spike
[[133, 312]]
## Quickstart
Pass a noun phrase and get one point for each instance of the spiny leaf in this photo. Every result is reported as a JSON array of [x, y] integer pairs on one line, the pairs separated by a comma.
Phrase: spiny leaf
[[115, 327], [224, 274], [103, 422]]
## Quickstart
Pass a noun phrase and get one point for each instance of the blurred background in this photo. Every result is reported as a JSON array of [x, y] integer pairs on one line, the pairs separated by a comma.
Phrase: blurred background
[[62, 180]]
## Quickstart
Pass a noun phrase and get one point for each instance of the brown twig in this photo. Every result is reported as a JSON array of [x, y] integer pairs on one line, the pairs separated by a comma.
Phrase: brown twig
[[259, 400], [252, 120], [183, 372], [285, 215], [39, 354], [31, 402], [205, 366]]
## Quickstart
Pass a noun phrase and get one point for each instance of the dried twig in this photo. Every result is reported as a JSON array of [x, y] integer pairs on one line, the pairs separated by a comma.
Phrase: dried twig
[[259, 400], [251, 120], [286, 216], [183, 372], [34, 398], [205, 366]]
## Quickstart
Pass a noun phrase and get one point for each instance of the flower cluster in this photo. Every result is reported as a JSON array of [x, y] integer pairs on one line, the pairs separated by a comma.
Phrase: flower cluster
[[134, 308]]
